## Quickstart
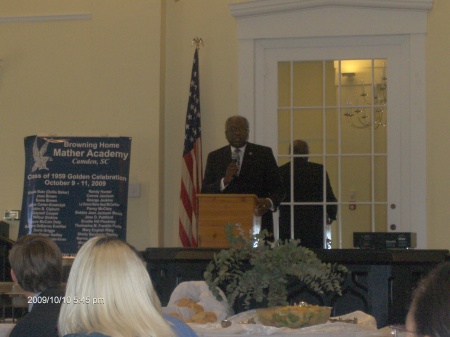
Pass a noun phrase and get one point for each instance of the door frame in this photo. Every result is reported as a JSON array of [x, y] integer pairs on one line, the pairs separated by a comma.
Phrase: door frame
[[269, 26]]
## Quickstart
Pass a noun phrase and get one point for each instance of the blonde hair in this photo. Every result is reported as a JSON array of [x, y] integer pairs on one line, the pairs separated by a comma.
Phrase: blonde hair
[[119, 299]]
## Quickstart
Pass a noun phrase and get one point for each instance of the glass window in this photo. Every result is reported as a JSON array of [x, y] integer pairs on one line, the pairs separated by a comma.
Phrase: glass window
[[339, 109]]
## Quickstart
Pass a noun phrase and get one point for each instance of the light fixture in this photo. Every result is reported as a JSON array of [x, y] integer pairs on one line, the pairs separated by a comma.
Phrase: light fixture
[[367, 113], [350, 76]]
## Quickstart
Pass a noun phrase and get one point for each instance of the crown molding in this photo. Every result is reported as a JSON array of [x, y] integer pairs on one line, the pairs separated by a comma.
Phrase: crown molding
[[264, 7]]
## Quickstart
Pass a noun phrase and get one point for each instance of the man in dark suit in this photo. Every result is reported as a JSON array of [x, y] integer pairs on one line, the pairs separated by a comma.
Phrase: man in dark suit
[[36, 265], [308, 187], [250, 170]]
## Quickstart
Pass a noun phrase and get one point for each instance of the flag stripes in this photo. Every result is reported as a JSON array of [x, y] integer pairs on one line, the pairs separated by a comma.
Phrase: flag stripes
[[191, 168]]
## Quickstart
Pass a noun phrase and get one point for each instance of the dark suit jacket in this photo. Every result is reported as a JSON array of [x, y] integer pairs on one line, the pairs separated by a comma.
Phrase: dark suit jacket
[[308, 187], [258, 175], [42, 320]]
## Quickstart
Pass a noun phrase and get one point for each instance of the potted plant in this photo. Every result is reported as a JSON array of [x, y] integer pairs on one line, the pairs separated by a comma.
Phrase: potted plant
[[254, 271]]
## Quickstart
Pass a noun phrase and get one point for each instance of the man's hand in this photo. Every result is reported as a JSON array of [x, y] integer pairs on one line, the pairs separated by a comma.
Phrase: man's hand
[[262, 206], [232, 171]]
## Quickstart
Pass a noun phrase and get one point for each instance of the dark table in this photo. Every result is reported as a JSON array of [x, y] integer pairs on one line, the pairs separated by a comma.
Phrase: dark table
[[380, 283]]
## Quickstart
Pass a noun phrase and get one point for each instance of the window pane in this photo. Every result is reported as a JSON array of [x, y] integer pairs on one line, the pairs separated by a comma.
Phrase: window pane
[[330, 88], [356, 178], [380, 178], [358, 220], [332, 127], [284, 84], [381, 138], [308, 125], [332, 168], [380, 218], [356, 141], [308, 84], [284, 121]]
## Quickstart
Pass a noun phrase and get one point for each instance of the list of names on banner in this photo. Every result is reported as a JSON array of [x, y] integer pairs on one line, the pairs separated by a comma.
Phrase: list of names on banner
[[97, 214], [46, 209]]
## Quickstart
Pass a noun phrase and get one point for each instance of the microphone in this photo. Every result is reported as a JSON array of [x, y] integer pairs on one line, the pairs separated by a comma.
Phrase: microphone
[[235, 158]]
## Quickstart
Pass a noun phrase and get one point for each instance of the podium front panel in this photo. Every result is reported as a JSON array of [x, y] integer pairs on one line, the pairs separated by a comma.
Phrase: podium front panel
[[215, 211]]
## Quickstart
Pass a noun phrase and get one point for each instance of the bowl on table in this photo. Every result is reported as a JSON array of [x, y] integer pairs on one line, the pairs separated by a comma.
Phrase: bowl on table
[[294, 316]]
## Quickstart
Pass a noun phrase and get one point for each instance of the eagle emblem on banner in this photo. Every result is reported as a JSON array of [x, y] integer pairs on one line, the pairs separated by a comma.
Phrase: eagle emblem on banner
[[40, 160]]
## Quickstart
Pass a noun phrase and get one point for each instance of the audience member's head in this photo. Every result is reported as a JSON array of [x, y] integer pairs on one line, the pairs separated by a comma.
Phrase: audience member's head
[[110, 275], [429, 314], [300, 147], [36, 263]]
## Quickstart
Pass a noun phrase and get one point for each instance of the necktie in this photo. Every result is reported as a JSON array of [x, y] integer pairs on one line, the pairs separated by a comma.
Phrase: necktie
[[237, 158]]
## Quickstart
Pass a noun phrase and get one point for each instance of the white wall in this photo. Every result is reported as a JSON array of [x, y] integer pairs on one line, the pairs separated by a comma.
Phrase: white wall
[[438, 124]]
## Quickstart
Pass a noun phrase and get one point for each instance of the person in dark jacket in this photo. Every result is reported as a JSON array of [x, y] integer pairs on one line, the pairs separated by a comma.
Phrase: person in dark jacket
[[308, 187], [245, 168], [36, 265]]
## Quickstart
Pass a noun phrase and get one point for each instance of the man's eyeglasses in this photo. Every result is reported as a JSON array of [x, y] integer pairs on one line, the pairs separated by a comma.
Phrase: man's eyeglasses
[[400, 331]]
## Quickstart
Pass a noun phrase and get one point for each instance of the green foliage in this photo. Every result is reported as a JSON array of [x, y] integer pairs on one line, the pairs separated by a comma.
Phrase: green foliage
[[251, 269]]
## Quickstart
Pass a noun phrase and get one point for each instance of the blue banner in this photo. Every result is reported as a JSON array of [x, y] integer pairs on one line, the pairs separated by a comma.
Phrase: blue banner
[[75, 188]]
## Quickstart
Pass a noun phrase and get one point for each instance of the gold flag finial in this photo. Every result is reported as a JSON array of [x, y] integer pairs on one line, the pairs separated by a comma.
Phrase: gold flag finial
[[197, 41]]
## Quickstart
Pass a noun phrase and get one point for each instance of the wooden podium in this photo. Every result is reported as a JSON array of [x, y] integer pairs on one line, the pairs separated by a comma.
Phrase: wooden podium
[[215, 211]]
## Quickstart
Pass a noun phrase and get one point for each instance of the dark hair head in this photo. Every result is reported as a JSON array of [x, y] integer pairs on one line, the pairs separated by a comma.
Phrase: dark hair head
[[37, 262], [301, 147], [430, 307]]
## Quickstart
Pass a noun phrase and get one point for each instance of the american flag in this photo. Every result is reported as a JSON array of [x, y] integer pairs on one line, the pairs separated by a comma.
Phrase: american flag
[[192, 168]]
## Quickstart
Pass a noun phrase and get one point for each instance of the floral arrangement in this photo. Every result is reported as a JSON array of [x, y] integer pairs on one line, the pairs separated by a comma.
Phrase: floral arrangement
[[255, 270]]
